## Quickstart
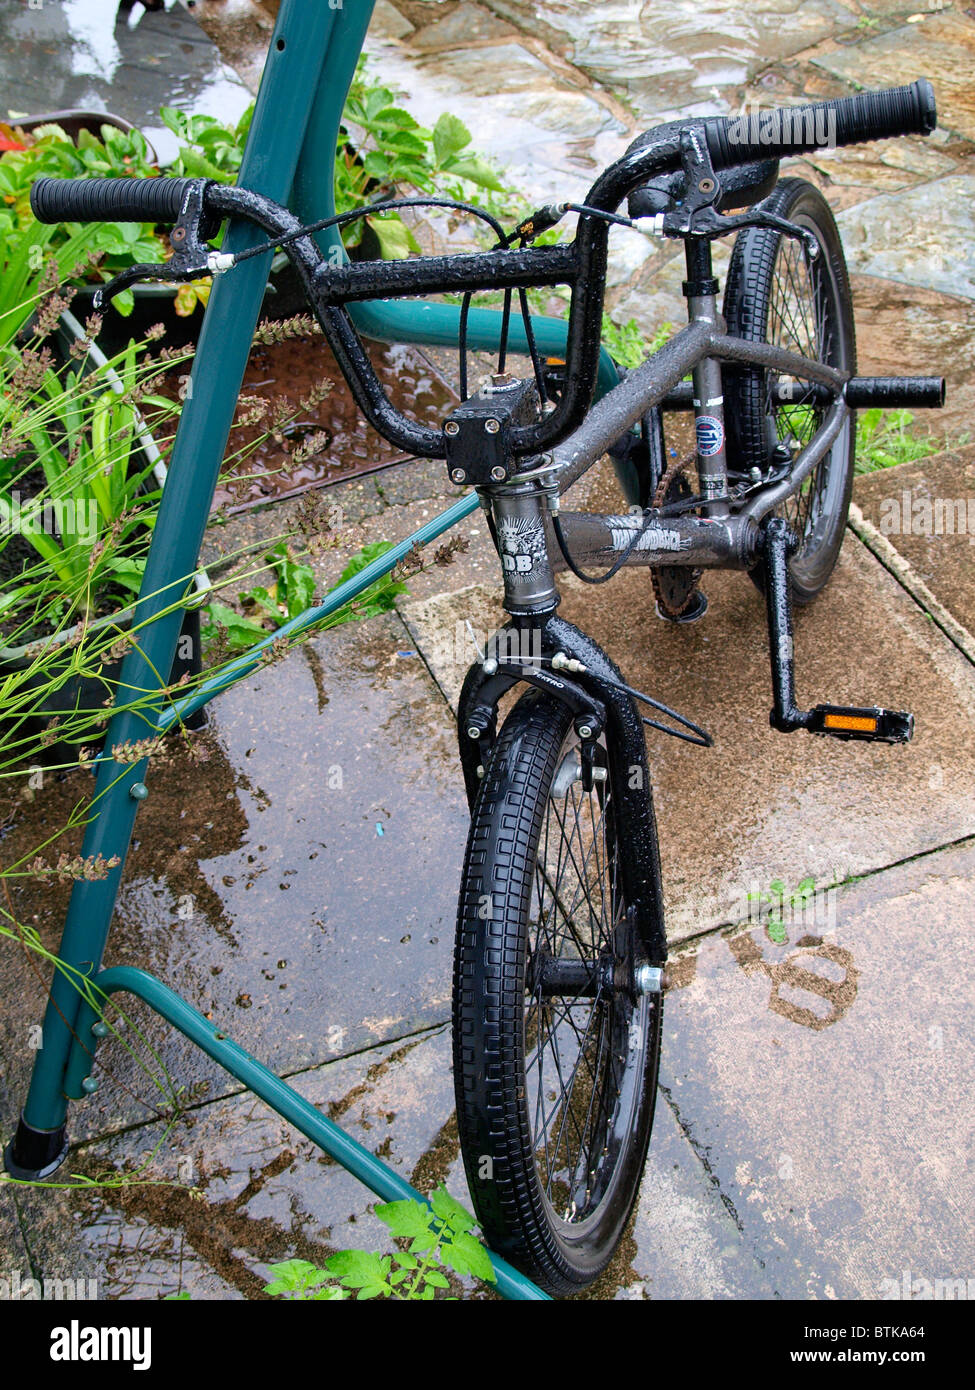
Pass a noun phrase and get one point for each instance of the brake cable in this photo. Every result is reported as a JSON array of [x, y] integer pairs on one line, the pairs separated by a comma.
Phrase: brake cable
[[384, 205]]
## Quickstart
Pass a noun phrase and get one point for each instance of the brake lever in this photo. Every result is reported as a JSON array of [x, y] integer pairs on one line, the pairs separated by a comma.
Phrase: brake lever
[[697, 215], [191, 256]]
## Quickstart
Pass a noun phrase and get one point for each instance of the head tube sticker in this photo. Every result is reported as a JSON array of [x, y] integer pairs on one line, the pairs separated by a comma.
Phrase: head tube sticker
[[710, 435], [521, 541]]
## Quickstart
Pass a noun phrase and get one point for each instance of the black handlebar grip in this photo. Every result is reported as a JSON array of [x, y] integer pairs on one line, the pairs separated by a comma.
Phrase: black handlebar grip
[[108, 200], [784, 131]]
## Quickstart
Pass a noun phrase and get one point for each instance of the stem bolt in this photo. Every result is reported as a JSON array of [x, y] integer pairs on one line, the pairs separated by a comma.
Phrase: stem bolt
[[457, 475], [491, 425], [451, 428], [498, 474]]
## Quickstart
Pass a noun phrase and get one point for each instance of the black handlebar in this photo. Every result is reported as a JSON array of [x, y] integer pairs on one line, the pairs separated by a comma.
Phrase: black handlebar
[[784, 131], [741, 140], [108, 200], [772, 134]]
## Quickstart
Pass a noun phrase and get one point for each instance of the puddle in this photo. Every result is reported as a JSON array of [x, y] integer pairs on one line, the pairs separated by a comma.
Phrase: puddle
[[299, 886], [120, 58]]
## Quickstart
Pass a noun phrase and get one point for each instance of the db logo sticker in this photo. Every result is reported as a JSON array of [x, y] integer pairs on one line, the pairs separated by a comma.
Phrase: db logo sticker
[[710, 435]]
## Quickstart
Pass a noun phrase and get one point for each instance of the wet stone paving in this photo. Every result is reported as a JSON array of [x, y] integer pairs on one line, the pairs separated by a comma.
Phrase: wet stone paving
[[814, 1128]]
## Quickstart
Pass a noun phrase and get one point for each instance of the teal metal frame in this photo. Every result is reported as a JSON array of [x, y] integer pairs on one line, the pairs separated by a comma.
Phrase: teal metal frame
[[289, 157]]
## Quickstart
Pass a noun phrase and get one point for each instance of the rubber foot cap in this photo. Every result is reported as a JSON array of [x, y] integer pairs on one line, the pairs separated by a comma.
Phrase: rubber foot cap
[[34, 1154]]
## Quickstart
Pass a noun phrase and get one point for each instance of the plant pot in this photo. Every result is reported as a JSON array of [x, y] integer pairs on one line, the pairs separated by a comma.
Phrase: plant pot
[[77, 119]]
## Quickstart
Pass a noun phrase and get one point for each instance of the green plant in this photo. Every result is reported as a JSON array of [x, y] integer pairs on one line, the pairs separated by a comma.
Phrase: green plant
[[208, 148], [382, 149], [438, 1238], [49, 152], [292, 592], [627, 345], [885, 439], [381, 596], [774, 901], [87, 519]]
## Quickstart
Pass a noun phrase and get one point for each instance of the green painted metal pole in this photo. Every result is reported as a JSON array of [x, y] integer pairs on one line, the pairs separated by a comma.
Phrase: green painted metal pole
[[284, 103], [384, 1181], [377, 569]]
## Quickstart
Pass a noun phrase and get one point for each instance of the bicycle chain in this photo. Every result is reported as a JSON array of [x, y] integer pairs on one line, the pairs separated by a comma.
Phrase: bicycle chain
[[675, 586]]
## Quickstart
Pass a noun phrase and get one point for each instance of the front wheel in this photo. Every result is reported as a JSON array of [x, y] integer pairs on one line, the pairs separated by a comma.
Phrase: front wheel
[[776, 294], [556, 1046]]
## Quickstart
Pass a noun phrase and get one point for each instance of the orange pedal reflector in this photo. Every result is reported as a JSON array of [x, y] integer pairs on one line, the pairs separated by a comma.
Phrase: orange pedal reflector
[[864, 725]]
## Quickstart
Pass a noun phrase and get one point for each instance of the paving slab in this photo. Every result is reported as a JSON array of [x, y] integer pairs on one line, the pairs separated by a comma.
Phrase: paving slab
[[937, 255], [299, 886], [938, 46], [852, 173], [762, 806], [827, 1084], [905, 330], [927, 512], [815, 1101], [686, 58], [232, 1189], [79, 53]]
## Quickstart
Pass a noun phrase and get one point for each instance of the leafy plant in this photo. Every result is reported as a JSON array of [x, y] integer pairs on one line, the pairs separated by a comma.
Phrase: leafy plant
[[208, 148], [627, 345], [437, 1238], [774, 900], [49, 152], [292, 592], [83, 434], [885, 439], [381, 596]]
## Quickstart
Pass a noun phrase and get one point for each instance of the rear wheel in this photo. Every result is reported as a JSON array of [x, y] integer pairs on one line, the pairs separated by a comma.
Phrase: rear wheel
[[776, 294], [556, 1047]]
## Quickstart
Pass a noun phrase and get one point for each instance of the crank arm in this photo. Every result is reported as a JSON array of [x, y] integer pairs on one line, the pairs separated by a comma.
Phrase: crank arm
[[871, 724]]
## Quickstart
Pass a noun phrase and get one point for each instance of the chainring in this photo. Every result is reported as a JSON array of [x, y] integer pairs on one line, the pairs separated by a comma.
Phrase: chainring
[[674, 585]]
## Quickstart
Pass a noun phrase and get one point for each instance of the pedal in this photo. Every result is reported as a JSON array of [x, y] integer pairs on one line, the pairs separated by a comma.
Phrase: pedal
[[852, 721]]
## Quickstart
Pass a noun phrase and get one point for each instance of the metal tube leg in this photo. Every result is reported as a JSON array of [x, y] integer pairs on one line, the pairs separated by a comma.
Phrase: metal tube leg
[[287, 91]]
